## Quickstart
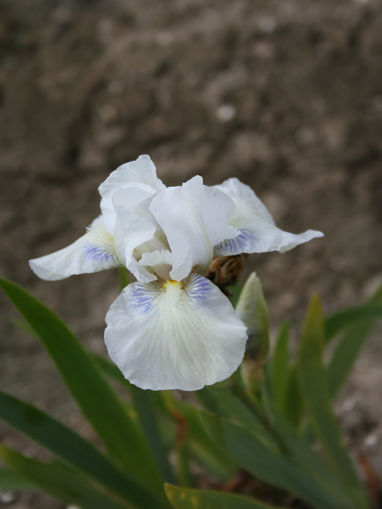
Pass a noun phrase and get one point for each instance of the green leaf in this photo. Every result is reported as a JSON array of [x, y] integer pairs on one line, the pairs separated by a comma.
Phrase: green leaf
[[264, 462], [223, 402], [349, 347], [294, 405], [148, 421], [314, 387], [345, 355], [188, 430], [98, 402], [108, 368], [235, 291], [343, 319], [299, 448], [184, 498], [59, 480], [200, 445], [280, 366], [142, 401], [12, 481], [72, 448], [124, 279]]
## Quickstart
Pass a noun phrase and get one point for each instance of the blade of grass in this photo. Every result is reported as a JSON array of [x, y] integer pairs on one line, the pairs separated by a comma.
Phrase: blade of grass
[[313, 384], [343, 319], [96, 399], [299, 448], [264, 462], [223, 402], [293, 405], [148, 421], [70, 447], [349, 347], [108, 368], [345, 355], [184, 498], [12, 481], [200, 445], [180, 448], [146, 415], [279, 366], [59, 480]]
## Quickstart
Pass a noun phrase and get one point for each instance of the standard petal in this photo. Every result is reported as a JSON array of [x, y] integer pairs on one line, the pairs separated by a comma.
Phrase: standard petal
[[131, 231], [142, 171], [93, 252], [194, 219], [135, 229], [160, 261], [257, 232], [171, 336], [130, 197]]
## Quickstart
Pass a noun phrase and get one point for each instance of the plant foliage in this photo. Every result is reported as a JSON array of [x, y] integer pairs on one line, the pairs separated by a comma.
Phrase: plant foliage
[[269, 431]]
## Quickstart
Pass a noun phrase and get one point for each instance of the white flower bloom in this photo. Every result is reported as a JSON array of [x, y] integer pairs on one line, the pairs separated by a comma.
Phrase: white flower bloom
[[194, 219], [172, 329], [174, 335], [127, 177], [104, 245], [257, 232], [92, 252]]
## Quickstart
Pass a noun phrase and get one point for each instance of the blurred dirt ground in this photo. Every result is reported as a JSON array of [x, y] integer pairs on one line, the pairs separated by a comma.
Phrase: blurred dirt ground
[[286, 95]]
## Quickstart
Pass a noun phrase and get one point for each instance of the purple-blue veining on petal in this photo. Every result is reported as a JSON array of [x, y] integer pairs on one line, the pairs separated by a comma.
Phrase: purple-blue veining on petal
[[142, 298], [242, 243], [199, 290], [97, 253]]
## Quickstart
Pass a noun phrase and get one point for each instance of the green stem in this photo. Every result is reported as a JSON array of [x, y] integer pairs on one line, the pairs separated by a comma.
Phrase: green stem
[[148, 421], [184, 476], [124, 279]]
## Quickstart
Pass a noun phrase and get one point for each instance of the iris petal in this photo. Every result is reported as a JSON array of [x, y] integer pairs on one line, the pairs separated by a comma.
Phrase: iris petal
[[174, 335], [242, 243], [142, 171], [160, 261], [131, 196], [257, 232], [134, 226], [194, 219], [139, 173], [93, 252]]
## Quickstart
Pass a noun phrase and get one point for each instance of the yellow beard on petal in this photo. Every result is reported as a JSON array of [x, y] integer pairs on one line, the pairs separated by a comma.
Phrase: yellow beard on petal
[[172, 283], [172, 291]]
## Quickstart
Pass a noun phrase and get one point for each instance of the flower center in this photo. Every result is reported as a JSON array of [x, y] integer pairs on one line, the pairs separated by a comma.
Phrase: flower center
[[172, 285], [172, 291]]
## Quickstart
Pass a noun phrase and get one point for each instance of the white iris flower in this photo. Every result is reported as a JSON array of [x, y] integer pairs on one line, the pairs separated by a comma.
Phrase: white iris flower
[[173, 328]]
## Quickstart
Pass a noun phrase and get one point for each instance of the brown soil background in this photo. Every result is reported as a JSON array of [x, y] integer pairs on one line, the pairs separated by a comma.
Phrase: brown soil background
[[285, 95]]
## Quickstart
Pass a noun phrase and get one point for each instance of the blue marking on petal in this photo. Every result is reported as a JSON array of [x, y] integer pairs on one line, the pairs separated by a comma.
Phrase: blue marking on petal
[[199, 290], [242, 243], [142, 299], [96, 253]]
